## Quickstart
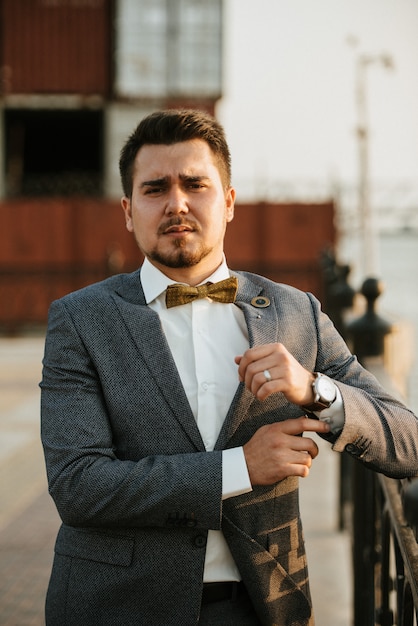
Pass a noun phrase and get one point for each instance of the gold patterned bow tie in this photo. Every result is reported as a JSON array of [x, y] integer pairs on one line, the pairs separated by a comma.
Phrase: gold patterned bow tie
[[224, 291]]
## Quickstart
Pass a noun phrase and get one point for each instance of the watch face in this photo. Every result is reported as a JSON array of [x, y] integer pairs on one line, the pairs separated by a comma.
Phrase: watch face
[[326, 389]]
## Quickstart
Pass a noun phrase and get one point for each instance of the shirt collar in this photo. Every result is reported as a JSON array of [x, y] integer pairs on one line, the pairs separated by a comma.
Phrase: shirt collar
[[154, 282]]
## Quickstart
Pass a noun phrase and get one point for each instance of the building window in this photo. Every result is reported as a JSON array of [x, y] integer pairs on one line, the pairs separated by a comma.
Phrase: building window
[[168, 48], [53, 152]]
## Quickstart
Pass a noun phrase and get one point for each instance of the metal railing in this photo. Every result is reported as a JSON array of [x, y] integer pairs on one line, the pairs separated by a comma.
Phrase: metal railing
[[397, 566], [380, 513]]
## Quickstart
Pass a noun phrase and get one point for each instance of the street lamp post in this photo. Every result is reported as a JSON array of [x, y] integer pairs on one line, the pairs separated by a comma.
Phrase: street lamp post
[[369, 230], [371, 329]]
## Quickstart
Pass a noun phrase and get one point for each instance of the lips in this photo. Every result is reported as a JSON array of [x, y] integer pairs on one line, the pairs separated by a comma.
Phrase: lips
[[176, 228]]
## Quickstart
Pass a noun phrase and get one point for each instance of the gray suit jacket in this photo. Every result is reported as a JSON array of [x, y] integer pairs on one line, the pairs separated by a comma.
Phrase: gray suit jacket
[[131, 479]]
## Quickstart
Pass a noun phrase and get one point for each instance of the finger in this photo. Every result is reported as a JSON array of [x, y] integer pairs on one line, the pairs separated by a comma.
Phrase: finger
[[302, 424], [305, 459], [258, 352], [263, 383], [315, 425], [306, 447], [303, 471], [261, 378], [250, 356], [262, 387], [300, 467]]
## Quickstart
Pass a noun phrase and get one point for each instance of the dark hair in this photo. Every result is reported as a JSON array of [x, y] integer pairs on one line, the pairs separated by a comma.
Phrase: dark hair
[[173, 126]]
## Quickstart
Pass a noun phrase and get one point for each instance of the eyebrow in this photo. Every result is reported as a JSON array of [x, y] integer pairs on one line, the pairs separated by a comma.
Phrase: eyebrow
[[155, 182]]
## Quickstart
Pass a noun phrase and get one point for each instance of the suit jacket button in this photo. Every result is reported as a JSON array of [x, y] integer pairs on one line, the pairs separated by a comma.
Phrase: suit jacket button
[[200, 541], [191, 523], [352, 449]]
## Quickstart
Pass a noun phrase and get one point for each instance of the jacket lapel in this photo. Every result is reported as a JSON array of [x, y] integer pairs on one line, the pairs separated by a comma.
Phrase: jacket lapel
[[143, 324], [261, 317], [145, 329]]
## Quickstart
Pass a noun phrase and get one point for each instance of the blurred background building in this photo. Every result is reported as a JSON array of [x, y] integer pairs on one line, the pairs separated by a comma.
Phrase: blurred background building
[[76, 76]]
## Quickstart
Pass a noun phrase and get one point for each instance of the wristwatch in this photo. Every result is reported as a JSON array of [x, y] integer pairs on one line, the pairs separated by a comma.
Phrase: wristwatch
[[325, 393]]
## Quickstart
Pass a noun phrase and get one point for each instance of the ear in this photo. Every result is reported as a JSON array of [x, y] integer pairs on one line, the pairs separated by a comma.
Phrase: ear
[[230, 204], [126, 206]]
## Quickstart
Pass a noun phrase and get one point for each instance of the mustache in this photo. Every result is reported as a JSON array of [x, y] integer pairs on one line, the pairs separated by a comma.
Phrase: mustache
[[177, 221]]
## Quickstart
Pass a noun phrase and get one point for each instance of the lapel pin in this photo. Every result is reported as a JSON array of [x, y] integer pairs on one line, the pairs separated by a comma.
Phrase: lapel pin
[[260, 302]]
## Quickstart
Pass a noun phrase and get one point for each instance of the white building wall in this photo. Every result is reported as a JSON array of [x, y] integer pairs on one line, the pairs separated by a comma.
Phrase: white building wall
[[120, 121]]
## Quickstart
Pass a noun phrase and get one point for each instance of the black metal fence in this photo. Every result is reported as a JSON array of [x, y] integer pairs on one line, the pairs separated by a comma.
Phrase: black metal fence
[[380, 513]]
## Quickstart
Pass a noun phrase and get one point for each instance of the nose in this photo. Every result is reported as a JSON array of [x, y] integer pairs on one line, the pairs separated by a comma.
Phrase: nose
[[176, 201]]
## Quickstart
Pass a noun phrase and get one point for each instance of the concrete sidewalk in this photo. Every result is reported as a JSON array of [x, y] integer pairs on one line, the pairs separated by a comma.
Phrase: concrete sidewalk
[[29, 522]]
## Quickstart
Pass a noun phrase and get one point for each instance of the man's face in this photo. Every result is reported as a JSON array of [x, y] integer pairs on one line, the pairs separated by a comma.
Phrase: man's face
[[179, 208]]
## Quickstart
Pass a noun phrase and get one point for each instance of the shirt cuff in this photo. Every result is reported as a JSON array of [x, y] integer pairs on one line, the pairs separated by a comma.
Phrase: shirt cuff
[[235, 478], [334, 416]]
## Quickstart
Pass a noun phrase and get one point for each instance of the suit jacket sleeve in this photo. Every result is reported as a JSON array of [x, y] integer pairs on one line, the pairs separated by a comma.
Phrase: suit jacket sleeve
[[115, 454], [379, 430]]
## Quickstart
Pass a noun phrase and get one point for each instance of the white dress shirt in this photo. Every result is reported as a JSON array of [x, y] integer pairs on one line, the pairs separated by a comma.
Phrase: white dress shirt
[[204, 337]]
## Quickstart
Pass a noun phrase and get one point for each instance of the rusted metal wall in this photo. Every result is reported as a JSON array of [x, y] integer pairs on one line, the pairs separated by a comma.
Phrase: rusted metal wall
[[282, 241], [51, 247], [55, 46]]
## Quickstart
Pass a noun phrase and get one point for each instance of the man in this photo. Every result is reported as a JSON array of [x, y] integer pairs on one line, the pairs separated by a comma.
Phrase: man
[[173, 431]]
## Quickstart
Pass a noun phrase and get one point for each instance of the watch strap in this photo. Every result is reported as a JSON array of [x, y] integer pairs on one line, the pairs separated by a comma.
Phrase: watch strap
[[317, 405]]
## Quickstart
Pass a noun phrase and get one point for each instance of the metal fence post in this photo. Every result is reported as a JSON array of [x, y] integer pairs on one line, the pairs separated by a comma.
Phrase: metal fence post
[[367, 334], [338, 298], [410, 502]]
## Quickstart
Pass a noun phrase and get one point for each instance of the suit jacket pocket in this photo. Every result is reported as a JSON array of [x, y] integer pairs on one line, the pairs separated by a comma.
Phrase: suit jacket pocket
[[103, 547]]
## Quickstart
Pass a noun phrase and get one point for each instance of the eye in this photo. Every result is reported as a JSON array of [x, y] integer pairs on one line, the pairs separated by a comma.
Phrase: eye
[[195, 184], [150, 191]]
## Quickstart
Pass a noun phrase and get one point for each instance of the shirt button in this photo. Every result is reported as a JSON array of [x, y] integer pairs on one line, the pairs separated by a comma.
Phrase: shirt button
[[205, 386]]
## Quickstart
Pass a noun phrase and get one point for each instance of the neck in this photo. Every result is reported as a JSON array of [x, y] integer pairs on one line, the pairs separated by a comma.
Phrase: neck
[[189, 275]]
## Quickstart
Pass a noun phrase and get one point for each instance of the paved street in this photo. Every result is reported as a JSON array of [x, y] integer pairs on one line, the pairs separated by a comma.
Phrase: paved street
[[28, 520]]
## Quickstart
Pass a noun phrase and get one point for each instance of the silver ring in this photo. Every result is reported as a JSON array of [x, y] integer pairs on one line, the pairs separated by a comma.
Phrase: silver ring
[[267, 376]]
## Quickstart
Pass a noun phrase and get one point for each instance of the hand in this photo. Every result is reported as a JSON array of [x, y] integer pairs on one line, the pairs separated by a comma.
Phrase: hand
[[287, 375], [276, 451]]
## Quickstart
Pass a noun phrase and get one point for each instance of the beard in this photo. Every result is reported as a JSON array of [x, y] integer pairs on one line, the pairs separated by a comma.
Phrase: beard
[[179, 256]]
